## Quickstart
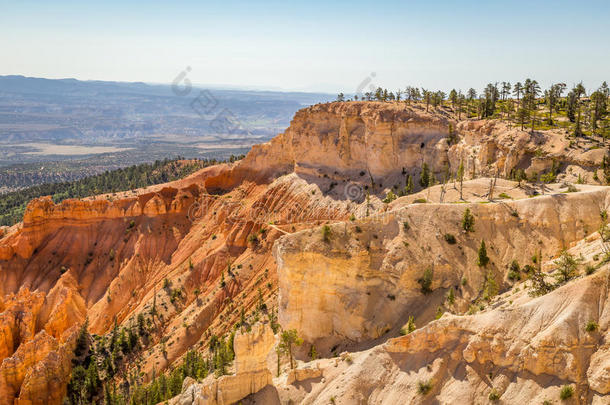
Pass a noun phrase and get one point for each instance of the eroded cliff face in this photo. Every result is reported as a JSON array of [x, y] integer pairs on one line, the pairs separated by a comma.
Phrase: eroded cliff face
[[167, 248], [521, 349], [382, 143], [361, 281]]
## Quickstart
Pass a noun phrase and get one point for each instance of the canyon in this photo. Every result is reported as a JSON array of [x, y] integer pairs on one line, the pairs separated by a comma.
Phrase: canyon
[[304, 229]]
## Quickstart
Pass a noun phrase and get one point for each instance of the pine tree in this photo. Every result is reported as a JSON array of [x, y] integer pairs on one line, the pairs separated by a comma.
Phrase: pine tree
[[491, 287], [453, 97], [539, 285], [571, 103], [451, 296], [82, 341], [313, 354], [523, 116], [517, 90], [599, 107], [460, 176], [468, 221], [566, 267], [409, 185], [289, 338], [424, 178], [482, 260], [411, 325]]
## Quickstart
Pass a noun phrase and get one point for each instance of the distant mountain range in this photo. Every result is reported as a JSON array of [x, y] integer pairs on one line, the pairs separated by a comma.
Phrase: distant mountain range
[[86, 127], [34, 109]]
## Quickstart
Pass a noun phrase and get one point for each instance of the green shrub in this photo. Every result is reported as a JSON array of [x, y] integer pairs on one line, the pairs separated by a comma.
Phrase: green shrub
[[313, 353], [406, 226], [426, 281], [326, 233], [591, 326], [504, 195], [424, 387], [175, 295], [451, 296], [567, 391], [482, 259], [514, 276], [468, 221], [589, 270], [450, 239], [567, 267], [493, 395], [490, 289], [390, 196], [420, 201], [424, 177], [410, 327]]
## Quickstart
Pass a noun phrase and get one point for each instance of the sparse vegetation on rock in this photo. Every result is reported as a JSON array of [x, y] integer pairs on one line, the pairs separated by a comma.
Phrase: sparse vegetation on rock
[[426, 281], [468, 221]]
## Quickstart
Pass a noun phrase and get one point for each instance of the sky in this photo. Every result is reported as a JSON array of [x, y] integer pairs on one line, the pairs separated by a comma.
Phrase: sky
[[340, 46]]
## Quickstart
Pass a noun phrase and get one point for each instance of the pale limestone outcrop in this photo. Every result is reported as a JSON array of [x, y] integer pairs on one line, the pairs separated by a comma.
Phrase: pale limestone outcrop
[[523, 349], [363, 281], [302, 374], [382, 142], [251, 372]]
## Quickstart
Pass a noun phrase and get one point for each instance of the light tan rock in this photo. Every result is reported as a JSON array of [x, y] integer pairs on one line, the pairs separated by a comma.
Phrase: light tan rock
[[302, 373], [251, 372], [364, 281]]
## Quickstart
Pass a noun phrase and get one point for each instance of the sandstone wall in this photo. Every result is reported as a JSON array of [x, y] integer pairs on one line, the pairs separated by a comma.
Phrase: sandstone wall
[[251, 372]]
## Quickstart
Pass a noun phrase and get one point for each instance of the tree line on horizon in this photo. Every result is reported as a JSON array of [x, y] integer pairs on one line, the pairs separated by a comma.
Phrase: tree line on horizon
[[520, 103]]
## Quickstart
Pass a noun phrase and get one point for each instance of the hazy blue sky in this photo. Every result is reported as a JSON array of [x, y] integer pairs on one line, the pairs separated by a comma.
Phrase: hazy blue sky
[[311, 45]]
